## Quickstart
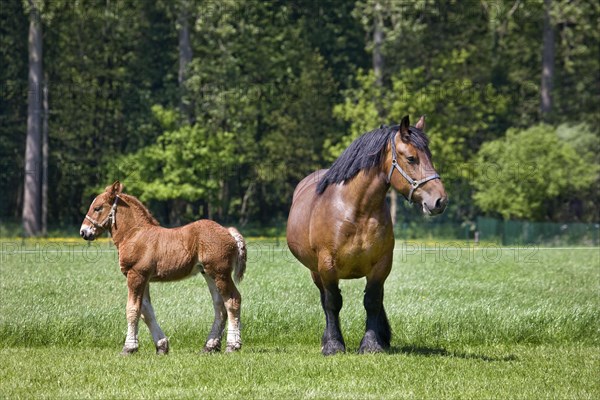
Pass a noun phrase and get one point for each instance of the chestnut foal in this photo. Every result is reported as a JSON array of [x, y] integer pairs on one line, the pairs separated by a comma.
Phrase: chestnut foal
[[148, 252]]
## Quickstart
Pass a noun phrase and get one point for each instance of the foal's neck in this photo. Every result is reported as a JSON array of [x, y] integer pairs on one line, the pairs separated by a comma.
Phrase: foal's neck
[[131, 217]]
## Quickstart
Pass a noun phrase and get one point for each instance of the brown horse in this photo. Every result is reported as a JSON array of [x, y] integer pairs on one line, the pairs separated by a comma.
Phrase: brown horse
[[148, 252], [340, 226]]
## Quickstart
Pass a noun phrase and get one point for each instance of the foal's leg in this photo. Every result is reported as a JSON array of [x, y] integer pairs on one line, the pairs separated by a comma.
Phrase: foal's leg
[[233, 302], [331, 301], [136, 285], [378, 333], [213, 343], [158, 337]]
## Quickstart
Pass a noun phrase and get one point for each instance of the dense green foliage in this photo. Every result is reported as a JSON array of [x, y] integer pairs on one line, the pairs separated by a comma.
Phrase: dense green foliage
[[486, 322], [275, 90], [544, 173]]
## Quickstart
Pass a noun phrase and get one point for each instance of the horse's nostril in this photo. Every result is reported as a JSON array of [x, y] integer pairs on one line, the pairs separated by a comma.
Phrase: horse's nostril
[[438, 203], [81, 233]]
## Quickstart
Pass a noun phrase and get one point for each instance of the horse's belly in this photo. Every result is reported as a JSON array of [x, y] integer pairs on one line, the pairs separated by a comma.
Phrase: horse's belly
[[173, 272]]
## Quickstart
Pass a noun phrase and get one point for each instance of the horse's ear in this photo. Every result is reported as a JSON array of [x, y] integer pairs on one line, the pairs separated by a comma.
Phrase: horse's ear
[[405, 128], [115, 189], [421, 123]]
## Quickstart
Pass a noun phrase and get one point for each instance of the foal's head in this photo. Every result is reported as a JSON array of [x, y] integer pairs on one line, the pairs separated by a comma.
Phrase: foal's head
[[411, 172], [102, 212]]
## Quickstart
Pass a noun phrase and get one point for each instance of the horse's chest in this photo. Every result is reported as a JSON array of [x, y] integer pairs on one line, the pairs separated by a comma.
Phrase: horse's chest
[[361, 237], [360, 246]]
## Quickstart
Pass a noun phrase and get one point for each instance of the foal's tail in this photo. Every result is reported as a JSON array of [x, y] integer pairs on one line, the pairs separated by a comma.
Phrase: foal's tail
[[240, 265]]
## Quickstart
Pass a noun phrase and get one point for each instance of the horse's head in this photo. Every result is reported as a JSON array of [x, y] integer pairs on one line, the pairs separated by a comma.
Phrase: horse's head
[[411, 170], [102, 212]]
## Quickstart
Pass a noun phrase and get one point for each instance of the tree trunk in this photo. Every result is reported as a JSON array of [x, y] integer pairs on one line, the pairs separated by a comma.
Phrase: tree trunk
[[185, 57], [547, 62], [32, 200], [378, 71], [245, 201], [45, 160]]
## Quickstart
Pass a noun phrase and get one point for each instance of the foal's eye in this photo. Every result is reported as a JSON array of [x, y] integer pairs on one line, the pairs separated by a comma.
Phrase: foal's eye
[[411, 159], [97, 209]]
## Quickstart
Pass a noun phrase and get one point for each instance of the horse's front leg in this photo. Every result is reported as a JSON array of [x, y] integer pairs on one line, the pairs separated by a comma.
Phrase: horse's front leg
[[331, 301], [158, 337], [378, 333], [136, 285]]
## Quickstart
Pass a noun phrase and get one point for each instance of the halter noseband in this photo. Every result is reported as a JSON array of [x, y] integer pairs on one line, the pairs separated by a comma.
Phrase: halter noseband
[[112, 215], [413, 183]]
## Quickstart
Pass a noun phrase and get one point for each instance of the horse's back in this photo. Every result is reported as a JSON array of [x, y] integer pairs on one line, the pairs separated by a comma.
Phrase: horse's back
[[178, 251], [299, 219]]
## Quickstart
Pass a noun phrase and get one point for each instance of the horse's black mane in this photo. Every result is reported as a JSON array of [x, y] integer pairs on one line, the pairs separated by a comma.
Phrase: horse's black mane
[[367, 152]]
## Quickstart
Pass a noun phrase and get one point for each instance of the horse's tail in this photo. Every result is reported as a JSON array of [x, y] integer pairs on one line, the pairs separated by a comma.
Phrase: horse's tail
[[240, 265]]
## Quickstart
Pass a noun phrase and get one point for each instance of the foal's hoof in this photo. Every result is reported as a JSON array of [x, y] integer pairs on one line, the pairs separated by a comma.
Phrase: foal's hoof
[[211, 350], [212, 346], [332, 347], [162, 347], [127, 351], [233, 347]]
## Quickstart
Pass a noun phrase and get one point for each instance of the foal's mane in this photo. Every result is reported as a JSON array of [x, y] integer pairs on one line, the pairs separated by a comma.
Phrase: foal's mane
[[138, 204], [367, 152]]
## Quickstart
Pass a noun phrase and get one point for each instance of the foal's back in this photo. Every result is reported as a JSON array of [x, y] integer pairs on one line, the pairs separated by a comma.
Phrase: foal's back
[[177, 253]]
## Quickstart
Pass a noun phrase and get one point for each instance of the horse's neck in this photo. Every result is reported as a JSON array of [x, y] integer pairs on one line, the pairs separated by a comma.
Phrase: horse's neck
[[128, 221], [367, 191]]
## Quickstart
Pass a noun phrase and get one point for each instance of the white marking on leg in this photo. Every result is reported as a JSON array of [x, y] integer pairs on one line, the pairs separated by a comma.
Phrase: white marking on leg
[[150, 319], [234, 336], [131, 340]]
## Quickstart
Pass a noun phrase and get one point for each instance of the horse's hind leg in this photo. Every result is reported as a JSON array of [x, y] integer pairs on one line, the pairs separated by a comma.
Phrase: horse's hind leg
[[158, 337], [331, 301], [233, 302], [213, 343]]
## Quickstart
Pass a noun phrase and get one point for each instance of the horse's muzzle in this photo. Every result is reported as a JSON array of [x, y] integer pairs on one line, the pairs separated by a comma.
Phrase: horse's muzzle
[[438, 207], [87, 233]]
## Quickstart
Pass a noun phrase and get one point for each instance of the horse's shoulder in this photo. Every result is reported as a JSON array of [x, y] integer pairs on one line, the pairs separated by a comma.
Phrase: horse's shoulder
[[309, 181]]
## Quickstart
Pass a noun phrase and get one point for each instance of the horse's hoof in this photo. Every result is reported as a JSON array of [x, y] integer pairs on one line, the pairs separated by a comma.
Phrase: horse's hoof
[[162, 347], [369, 344], [233, 347], [370, 348], [333, 347], [127, 351]]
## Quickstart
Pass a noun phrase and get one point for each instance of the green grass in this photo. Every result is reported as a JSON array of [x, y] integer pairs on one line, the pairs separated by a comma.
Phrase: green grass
[[479, 324]]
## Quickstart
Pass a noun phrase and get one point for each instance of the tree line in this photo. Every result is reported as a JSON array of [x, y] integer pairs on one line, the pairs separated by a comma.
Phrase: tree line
[[218, 108]]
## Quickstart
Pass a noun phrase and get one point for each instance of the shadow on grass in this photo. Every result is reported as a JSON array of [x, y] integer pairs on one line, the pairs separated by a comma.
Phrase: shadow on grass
[[441, 352]]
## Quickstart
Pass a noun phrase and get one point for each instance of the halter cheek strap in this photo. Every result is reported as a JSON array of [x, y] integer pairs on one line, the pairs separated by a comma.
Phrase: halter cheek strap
[[112, 217], [414, 184]]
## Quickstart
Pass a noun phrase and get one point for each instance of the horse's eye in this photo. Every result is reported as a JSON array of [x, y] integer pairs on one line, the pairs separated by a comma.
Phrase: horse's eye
[[97, 209], [411, 159]]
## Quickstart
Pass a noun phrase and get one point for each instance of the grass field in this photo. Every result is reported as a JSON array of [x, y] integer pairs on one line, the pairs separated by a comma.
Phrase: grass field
[[487, 323]]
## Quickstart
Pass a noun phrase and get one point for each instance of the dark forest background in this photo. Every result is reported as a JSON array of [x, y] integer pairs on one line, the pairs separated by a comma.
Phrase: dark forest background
[[217, 109]]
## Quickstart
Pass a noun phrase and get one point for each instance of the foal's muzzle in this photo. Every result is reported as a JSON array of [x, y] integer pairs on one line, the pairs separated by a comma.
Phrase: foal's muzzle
[[87, 232]]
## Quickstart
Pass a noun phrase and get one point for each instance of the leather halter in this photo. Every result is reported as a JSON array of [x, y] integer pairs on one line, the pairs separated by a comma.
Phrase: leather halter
[[414, 184], [112, 217]]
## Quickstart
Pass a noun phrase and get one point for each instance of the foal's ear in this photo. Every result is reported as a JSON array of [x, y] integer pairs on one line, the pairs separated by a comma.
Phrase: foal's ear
[[421, 123], [405, 129], [115, 189]]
